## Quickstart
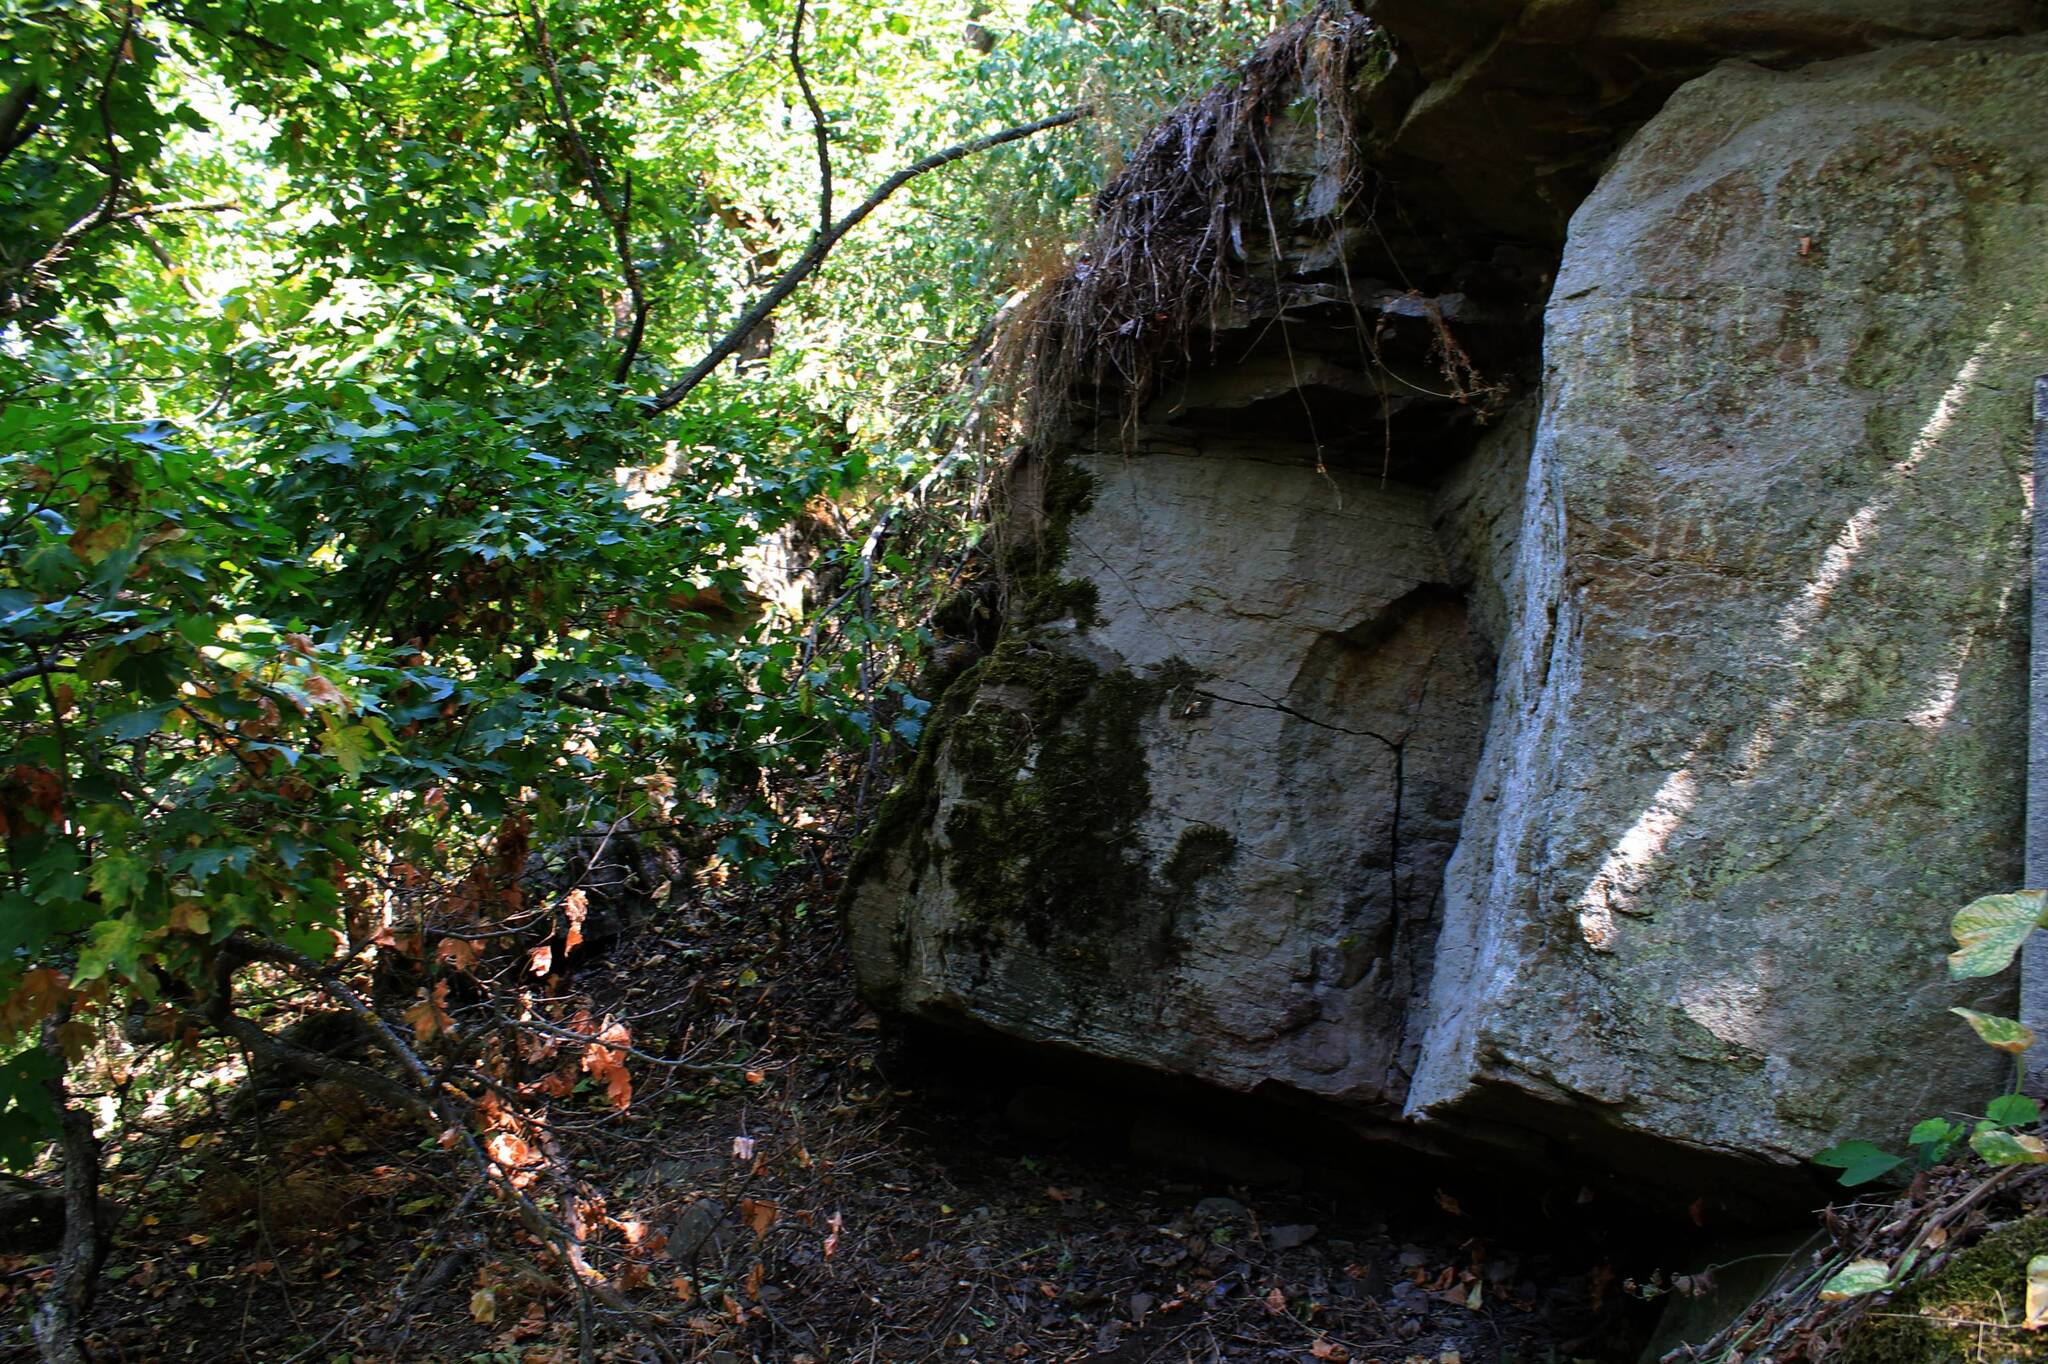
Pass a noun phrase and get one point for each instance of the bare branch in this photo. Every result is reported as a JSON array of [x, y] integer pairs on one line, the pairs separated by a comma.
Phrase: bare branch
[[36, 669], [178, 206], [117, 179], [822, 245], [803, 80], [617, 209], [16, 127]]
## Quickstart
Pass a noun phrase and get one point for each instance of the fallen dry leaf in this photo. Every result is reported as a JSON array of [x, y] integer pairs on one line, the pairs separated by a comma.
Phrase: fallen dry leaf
[[759, 1215]]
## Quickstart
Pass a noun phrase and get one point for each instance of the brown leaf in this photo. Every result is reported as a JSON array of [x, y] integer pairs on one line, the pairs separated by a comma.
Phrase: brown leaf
[[759, 1215], [460, 953], [682, 1288], [607, 1064], [1276, 1302], [429, 1017], [1330, 1350], [754, 1277], [541, 960]]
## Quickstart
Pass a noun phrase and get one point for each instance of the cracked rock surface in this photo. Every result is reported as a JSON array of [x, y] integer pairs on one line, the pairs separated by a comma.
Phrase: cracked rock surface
[[1550, 693]]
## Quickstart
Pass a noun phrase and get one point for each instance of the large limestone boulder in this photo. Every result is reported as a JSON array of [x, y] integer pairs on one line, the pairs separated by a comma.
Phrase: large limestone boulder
[[1585, 749], [1761, 723]]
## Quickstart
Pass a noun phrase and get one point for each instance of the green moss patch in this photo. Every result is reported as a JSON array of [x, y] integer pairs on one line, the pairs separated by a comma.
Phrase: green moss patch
[[1968, 1313], [1043, 844]]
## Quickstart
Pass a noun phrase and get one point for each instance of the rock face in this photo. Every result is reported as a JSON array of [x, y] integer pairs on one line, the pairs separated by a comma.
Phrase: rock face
[[1503, 111], [1591, 749], [1763, 721]]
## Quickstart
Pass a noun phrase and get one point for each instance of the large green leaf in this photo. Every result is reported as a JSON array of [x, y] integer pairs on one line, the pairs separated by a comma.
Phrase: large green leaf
[[1859, 1161], [1990, 930]]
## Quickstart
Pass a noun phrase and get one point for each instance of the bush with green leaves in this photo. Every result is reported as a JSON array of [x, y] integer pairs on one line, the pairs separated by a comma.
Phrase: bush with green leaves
[[346, 551]]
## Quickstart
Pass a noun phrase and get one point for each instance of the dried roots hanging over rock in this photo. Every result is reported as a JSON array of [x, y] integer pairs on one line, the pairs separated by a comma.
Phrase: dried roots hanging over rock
[[1189, 238]]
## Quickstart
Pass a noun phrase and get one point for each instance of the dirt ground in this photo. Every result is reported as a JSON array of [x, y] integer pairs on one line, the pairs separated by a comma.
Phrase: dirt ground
[[812, 1189]]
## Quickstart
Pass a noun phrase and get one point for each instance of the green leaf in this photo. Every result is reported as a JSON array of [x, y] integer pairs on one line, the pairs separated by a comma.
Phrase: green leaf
[[121, 879], [28, 1115], [348, 745], [1990, 930], [1859, 1161], [1857, 1278], [115, 946], [2008, 1148], [2013, 1110], [2006, 1034], [135, 725]]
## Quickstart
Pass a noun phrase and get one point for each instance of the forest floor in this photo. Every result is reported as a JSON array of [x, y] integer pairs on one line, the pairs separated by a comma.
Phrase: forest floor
[[829, 1198]]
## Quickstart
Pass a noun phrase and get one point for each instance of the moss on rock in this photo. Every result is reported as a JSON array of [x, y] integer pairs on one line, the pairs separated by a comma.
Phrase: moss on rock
[[1044, 842], [1038, 593], [1968, 1313]]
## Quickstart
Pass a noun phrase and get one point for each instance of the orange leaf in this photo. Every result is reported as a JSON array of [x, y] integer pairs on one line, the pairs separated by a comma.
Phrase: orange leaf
[[759, 1215], [684, 1289], [607, 1064], [460, 953], [429, 1017], [576, 905], [541, 960], [754, 1277]]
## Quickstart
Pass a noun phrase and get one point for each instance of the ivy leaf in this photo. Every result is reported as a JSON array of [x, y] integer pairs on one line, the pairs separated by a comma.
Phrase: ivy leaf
[[2006, 1034], [2013, 1110], [1857, 1278], [1990, 930], [1859, 1161]]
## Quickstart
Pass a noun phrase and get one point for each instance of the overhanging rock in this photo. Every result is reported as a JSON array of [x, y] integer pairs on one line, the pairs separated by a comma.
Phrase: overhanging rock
[[1494, 716]]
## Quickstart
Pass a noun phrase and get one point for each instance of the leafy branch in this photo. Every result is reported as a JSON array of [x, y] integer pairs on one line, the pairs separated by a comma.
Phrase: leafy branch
[[822, 244]]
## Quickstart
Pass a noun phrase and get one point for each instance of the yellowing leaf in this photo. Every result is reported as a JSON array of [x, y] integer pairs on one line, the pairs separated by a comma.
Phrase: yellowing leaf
[[1857, 1278], [2009, 1148], [483, 1305], [2037, 1293], [2006, 1034], [188, 917], [120, 879], [1990, 931]]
